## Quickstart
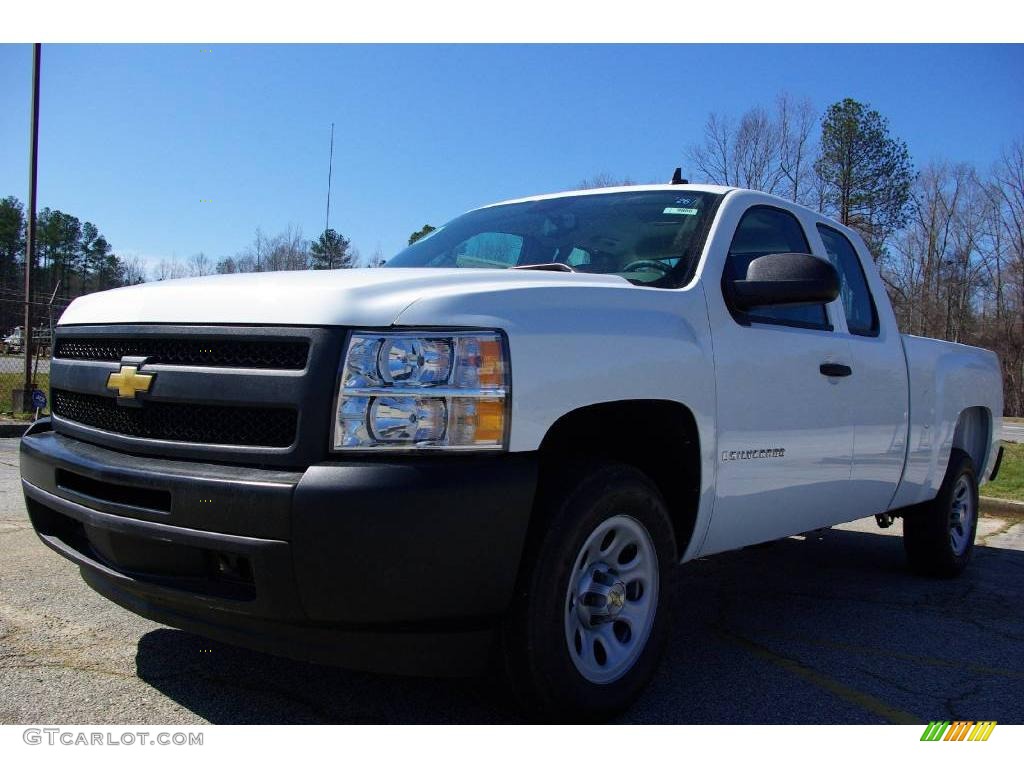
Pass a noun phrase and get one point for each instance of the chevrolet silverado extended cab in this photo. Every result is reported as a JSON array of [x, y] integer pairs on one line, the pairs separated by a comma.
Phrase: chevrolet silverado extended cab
[[501, 444]]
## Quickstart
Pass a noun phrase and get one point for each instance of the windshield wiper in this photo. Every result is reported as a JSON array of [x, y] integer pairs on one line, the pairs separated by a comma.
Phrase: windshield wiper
[[553, 266]]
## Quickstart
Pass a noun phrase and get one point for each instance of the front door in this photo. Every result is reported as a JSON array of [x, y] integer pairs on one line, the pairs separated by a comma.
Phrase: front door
[[785, 434]]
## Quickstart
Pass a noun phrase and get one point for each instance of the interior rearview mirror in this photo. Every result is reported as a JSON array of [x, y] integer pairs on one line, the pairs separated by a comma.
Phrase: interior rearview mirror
[[786, 279]]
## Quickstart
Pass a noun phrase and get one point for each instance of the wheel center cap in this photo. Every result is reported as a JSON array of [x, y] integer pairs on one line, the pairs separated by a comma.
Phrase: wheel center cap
[[600, 595], [616, 597]]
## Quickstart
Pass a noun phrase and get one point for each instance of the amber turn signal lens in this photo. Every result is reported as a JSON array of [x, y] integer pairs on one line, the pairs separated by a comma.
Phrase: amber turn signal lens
[[492, 366], [490, 421]]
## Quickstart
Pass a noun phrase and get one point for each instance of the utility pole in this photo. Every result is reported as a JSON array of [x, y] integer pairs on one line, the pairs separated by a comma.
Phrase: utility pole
[[30, 239]]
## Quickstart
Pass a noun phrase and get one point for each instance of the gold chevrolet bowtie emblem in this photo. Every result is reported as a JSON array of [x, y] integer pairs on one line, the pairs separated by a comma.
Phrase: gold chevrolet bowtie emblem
[[128, 381]]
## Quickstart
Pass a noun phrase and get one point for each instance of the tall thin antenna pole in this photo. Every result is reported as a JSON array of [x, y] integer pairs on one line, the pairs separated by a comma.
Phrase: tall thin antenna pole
[[30, 233], [330, 168]]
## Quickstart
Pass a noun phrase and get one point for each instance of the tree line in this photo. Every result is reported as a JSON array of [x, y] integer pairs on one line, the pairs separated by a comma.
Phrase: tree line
[[287, 250], [72, 258]]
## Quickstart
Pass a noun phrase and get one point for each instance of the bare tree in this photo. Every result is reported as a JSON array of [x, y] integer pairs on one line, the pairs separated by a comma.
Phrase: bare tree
[[286, 250], [715, 158], [134, 270], [919, 266], [200, 264], [956, 270], [756, 149], [227, 266], [1006, 192], [599, 180], [252, 258], [295, 249], [376, 258], [258, 250], [797, 123], [762, 150], [283, 251], [169, 269]]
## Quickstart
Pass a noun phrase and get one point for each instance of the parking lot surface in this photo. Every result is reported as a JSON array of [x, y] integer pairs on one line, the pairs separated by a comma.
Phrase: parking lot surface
[[827, 628]]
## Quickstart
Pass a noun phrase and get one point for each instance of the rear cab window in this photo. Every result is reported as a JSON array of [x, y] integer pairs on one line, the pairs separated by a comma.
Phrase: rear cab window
[[858, 303]]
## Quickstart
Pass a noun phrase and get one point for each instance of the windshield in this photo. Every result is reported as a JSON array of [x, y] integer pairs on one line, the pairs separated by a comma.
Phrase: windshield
[[650, 238]]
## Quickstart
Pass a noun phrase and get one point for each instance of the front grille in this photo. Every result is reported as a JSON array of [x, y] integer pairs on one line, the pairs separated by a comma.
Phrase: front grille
[[181, 422], [223, 353]]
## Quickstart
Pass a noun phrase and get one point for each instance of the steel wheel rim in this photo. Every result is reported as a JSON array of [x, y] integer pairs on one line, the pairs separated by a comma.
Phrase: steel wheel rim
[[611, 599], [961, 516]]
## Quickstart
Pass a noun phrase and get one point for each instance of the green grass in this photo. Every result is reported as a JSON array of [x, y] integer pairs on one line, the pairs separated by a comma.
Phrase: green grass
[[1010, 484], [15, 380]]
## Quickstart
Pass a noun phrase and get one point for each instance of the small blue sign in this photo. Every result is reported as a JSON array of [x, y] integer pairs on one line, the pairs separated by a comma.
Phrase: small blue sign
[[38, 399]]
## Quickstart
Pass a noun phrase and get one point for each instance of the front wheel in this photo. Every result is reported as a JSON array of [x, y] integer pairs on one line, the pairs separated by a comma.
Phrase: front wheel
[[591, 616], [939, 536]]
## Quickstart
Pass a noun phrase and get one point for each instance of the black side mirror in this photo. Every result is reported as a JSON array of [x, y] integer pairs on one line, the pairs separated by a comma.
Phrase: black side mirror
[[786, 278]]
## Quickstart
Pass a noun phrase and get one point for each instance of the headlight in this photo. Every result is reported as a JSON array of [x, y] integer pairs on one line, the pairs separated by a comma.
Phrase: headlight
[[422, 390]]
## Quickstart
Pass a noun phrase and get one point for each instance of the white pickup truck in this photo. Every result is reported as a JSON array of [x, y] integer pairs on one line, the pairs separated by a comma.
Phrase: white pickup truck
[[502, 444]]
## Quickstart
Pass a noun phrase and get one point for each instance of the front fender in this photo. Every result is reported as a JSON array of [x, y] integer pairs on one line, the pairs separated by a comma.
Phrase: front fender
[[576, 346]]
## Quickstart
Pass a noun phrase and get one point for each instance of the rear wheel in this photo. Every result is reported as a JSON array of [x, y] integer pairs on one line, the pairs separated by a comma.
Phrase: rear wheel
[[938, 537], [590, 619]]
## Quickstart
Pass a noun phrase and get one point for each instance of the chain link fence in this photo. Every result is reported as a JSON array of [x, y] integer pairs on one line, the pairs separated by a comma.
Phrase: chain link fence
[[45, 313]]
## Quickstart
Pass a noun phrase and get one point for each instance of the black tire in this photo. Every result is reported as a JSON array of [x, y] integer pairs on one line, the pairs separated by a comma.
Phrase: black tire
[[928, 531], [537, 658]]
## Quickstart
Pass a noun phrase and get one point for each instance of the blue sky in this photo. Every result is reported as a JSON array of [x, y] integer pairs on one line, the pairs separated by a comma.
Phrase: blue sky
[[133, 138]]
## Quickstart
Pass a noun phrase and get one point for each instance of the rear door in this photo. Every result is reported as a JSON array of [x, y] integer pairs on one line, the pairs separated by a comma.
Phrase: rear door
[[877, 391], [785, 432]]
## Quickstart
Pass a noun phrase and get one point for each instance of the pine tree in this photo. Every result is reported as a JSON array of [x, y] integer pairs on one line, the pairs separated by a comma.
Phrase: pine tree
[[866, 173], [331, 251]]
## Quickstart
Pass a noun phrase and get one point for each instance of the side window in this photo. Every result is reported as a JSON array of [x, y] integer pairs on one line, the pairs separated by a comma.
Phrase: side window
[[761, 231], [489, 250], [861, 315]]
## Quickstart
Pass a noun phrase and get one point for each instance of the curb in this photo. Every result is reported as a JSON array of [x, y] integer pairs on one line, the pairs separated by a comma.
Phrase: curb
[[991, 506], [13, 429]]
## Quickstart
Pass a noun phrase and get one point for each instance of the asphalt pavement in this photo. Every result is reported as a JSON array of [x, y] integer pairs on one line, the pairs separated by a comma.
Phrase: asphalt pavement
[[828, 628]]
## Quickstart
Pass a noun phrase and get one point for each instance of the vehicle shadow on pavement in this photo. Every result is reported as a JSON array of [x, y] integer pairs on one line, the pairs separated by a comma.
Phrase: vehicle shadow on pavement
[[827, 628], [227, 684]]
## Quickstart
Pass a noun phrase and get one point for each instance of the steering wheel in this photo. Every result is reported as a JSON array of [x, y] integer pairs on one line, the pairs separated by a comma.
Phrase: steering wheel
[[644, 265]]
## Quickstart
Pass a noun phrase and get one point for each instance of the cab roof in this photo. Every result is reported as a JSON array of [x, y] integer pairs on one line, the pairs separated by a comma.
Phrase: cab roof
[[714, 188]]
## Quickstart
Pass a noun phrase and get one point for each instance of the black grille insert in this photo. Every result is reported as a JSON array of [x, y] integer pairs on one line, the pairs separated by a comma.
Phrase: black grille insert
[[133, 496], [181, 422], [221, 353]]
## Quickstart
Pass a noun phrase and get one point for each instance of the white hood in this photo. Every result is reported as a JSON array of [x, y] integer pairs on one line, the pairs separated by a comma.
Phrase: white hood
[[349, 297]]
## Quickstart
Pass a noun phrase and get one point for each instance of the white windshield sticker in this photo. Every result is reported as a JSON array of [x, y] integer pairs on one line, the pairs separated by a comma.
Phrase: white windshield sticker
[[681, 211]]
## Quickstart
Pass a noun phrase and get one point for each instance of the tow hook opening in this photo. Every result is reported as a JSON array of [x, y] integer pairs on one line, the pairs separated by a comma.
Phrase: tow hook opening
[[885, 519], [231, 568]]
